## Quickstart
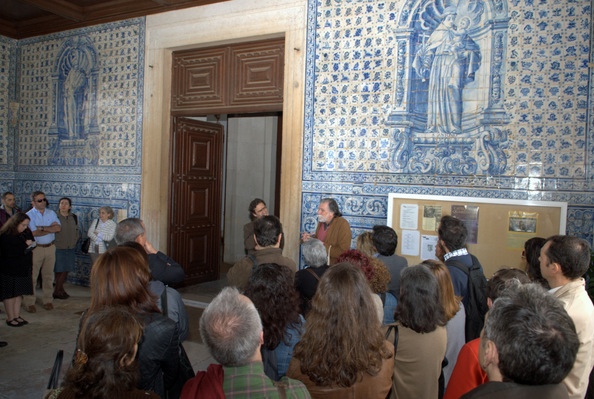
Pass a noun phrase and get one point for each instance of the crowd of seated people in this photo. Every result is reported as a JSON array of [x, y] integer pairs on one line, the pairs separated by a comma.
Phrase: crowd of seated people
[[360, 323]]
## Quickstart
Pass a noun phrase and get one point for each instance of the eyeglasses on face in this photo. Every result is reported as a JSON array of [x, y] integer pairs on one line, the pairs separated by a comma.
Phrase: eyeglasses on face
[[41, 200]]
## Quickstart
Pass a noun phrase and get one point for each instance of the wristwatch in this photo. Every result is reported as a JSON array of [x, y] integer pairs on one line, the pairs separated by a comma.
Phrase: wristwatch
[[41, 227]]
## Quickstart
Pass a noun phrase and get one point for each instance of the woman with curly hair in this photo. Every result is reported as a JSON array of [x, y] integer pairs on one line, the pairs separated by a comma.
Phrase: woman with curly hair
[[364, 263], [120, 277], [343, 352], [381, 276], [455, 316], [422, 336], [271, 289], [105, 365]]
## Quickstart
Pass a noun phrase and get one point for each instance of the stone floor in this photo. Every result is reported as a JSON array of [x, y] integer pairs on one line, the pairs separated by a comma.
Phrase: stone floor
[[26, 363]]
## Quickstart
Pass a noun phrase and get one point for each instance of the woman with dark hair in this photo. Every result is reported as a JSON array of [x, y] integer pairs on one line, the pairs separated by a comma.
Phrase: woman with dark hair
[[105, 365], [422, 337], [455, 316], [531, 255], [16, 266], [306, 279], [363, 262], [65, 242], [120, 277], [343, 352], [271, 289]]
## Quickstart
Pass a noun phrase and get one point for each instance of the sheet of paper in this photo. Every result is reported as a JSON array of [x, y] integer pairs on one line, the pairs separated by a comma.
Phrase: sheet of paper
[[410, 242], [409, 216], [428, 244]]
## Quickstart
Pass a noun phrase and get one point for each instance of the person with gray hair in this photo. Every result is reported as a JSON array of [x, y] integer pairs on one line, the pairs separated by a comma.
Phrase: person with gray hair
[[527, 347], [333, 229], [563, 262], [232, 330], [306, 280], [163, 268], [101, 233]]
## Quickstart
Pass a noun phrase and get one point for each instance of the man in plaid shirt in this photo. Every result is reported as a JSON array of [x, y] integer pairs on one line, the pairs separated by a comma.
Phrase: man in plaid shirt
[[232, 330]]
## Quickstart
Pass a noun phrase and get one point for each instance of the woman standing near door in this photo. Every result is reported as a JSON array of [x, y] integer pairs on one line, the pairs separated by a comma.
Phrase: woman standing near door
[[102, 231]]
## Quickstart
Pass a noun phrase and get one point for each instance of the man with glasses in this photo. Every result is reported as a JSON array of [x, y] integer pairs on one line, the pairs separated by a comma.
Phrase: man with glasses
[[44, 224], [257, 209]]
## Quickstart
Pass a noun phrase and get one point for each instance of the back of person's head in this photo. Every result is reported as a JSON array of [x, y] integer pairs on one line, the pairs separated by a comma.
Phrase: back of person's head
[[332, 206], [11, 225], [104, 363], [253, 205], [385, 240], [419, 306], [358, 259], [451, 303], [453, 232], [141, 250], [342, 339], [365, 243], [571, 253], [314, 253], [497, 283], [271, 289], [532, 249], [267, 230], [120, 278], [128, 230], [535, 338], [230, 327]]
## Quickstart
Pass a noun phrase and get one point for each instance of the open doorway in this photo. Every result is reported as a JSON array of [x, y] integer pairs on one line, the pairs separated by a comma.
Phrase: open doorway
[[252, 170]]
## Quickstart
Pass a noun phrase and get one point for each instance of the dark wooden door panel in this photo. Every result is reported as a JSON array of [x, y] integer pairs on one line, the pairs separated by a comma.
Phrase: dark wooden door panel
[[195, 231], [236, 78]]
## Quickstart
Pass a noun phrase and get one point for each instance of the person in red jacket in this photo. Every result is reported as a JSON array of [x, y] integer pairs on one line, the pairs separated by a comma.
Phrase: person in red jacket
[[468, 373]]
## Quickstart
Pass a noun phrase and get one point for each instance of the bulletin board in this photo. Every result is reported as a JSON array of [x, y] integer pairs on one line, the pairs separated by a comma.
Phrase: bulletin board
[[497, 229]]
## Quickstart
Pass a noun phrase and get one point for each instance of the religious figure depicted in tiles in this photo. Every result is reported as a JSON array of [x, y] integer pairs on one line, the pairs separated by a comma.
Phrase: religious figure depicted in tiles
[[74, 130], [75, 86], [449, 59]]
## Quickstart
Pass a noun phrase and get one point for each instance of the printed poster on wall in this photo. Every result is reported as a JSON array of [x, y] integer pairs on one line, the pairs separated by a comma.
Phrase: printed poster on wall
[[469, 215]]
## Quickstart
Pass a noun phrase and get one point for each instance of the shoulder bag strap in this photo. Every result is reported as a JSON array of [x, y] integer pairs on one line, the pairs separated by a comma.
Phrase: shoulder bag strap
[[313, 273], [164, 302], [395, 328]]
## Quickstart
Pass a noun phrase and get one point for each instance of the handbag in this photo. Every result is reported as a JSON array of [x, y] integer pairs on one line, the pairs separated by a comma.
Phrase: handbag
[[54, 379], [185, 371], [84, 248]]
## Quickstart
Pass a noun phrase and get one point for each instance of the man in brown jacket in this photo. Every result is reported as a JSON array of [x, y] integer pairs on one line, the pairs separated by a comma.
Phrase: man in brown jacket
[[268, 234], [333, 230]]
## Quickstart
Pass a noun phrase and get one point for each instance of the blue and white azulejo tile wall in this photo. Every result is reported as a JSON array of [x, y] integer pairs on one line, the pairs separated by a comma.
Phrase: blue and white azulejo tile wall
[[473, 98], [71, 120]]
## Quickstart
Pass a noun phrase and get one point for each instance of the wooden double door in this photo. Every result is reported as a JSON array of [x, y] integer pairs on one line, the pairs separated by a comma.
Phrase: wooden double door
[[235, 79]]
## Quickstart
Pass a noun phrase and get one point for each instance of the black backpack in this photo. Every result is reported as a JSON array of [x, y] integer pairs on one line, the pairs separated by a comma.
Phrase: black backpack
[[476, 307]]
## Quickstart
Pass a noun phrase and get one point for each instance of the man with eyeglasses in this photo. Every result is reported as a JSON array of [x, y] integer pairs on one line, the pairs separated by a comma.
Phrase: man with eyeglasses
[[44, 224], [257, 209]]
